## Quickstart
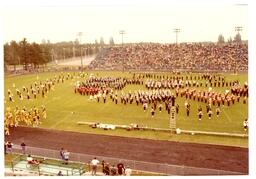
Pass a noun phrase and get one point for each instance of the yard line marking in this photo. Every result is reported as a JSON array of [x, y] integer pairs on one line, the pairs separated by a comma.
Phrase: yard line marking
[[227, 115], [59, 122], [242, 114]]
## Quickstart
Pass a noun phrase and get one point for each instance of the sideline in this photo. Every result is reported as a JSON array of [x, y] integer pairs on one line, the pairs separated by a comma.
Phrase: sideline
[[169, 130]]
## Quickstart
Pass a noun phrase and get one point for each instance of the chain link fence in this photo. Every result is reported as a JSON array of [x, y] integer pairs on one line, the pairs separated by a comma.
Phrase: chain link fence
[[161, 168]]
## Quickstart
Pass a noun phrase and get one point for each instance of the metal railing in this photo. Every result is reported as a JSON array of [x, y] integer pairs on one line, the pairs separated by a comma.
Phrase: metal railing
[[48, 167], [161, 168]]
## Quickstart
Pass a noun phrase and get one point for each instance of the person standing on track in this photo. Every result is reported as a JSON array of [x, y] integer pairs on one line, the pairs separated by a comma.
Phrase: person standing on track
[[5, 148], [66, 156], [9, 146], [61, 153], [23, 147]]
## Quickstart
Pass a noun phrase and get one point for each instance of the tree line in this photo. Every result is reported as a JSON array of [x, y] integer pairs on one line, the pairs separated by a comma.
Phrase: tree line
[[31, 55], [237, 39], [34, 55]]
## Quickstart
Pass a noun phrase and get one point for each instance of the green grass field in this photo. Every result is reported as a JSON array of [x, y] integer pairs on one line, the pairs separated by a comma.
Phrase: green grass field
[[61, 102]]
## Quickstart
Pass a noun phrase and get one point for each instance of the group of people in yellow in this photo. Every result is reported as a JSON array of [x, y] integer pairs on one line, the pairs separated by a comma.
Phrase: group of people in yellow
[[12, 118]]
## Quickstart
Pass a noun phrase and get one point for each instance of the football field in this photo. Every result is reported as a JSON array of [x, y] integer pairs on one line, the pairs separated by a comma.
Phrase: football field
[[65, 108]]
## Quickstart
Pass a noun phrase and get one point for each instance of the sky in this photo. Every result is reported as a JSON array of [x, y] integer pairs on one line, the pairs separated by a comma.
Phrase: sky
[[141, 21]]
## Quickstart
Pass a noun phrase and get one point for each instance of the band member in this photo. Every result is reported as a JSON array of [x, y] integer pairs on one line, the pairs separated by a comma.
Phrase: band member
[[200, 114], [152, 111], [218, 111]]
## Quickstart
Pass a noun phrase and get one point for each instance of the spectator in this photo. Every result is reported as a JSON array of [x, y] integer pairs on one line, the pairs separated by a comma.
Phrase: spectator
[[106, 169], [30, 160], [23, 147], [9, 146], [196, 56], [66, 156], [128, 171], [94, 164], [61, 153], [103, 163], [5, 152], [59, 173], [120, 168], [113, 170]]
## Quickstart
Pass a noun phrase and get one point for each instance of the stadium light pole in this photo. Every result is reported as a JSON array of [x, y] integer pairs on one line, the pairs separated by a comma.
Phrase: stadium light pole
[[122, 32], [237, 29], [176, 31], [64, 53], [73, 50], [80, 43], [85, 51]]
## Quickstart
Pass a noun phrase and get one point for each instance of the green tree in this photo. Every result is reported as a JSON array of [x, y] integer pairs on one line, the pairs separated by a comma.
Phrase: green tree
[[96, 42], [111, 41], [230, 40], [46, 53], [238, 38], [24, 52], [96, 46], [221, 39], [11, 54], [7, 56], [102, 43], [35, 55]]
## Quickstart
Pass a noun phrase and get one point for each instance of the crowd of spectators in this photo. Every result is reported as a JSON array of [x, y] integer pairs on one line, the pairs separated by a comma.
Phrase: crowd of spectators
[[192, 57]]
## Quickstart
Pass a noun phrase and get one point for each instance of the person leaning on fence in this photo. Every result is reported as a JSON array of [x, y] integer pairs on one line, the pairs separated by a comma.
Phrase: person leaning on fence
[[94, 164]]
